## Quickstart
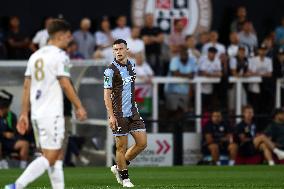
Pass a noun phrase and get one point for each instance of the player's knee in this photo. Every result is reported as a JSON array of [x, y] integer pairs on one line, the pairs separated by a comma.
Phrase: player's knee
[[120, 149], [142, 145], [213, 147]]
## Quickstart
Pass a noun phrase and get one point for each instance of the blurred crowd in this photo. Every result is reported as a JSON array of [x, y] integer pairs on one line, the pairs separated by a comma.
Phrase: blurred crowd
[[181, 55], [177, 54]]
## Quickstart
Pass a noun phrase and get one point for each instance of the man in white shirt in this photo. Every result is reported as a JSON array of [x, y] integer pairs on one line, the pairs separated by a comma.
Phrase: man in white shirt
[[134, 43], [41, 37], [47, 76], [213, 42], [209, 66], [259, 66], [121, 31]]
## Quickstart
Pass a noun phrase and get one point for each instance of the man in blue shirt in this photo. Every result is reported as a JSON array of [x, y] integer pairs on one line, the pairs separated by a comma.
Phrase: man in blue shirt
[[119, 93], [279, 34], [178, 94]]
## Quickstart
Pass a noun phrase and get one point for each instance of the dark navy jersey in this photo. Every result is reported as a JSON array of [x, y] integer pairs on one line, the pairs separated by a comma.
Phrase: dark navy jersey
[[249, 130], [218, 131], [120, 79]]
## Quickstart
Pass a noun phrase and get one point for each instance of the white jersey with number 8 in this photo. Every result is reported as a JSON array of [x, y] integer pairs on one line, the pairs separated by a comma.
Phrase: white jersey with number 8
[[44, 67]]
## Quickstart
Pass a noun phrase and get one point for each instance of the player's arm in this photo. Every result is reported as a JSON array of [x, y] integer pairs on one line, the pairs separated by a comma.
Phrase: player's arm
[[108, 104], [209, 138], [108, 76], [23, 123], [70, 92]]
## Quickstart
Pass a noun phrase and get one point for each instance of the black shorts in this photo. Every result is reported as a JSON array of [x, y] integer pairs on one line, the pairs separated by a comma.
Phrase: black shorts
[[247, 149], [130, 124], [8, 145], [223, 148]]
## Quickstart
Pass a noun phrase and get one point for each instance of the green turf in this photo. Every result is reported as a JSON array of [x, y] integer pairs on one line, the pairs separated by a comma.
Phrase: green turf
[[199, 177]]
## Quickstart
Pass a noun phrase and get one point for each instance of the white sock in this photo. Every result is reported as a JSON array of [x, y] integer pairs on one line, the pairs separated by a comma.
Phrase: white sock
[[23, 164], [56, 175], [231, 162], [271, 162], [35, 169], [277, 151]]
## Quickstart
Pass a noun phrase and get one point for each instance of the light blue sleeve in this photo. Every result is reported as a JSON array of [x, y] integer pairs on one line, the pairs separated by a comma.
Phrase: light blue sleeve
[[174, 64], [108, 76]]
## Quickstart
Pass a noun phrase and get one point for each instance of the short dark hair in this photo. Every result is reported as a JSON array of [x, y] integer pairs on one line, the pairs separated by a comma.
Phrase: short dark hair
[[119, 41], [58, 25], [212, 50], [188, 36], [247, 107]]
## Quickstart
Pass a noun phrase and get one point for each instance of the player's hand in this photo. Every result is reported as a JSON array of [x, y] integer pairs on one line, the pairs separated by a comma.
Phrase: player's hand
[[113, 122], [23, 124], [81, 114]]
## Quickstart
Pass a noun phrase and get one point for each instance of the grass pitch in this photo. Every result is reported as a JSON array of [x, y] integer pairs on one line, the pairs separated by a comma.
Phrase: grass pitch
[[197, 177]]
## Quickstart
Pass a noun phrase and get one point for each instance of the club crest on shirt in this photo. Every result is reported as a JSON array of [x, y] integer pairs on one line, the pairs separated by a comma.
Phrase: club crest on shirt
[[196, 14]]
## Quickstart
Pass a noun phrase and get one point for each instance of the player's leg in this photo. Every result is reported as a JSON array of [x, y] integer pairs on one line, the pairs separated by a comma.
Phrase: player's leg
[[140, 138], [138, 132], [121, 146], [37, 167], [23, 147], [214, 151], [267, 141], [233, 151], [267, 153], [55, 172]]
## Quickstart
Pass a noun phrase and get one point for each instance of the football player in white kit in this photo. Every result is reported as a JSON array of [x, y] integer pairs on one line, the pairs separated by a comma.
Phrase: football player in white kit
[[47, 76]]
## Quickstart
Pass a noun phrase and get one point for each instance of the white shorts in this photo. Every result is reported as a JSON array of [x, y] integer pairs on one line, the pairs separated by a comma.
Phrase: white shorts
[[49, 132]]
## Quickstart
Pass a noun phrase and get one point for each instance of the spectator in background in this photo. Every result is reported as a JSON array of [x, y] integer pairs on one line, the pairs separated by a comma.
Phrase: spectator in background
[[248, 37], [134, 43], [103, 37], [3, 50], [239, 21], [12, 140], [143, 69], [209, 66], [273, 139], [104, 41], [3, 162], [143, 91], [178, 94], [218, 139], [17, 42], [239, 63], [260, 66], [177, 37], [278, 65], [41, 37], [268, 42], [153, 38], [239, 68], [203, 38], [84, 38], [221, 89], [213, 42], [72, 51], [246, 132], [191, 47], [232, 49], [279, 34], [122, 31]]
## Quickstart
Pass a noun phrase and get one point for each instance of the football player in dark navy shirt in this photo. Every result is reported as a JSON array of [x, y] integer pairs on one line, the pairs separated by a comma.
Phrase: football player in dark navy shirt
[[217, 138], [246, 131]]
